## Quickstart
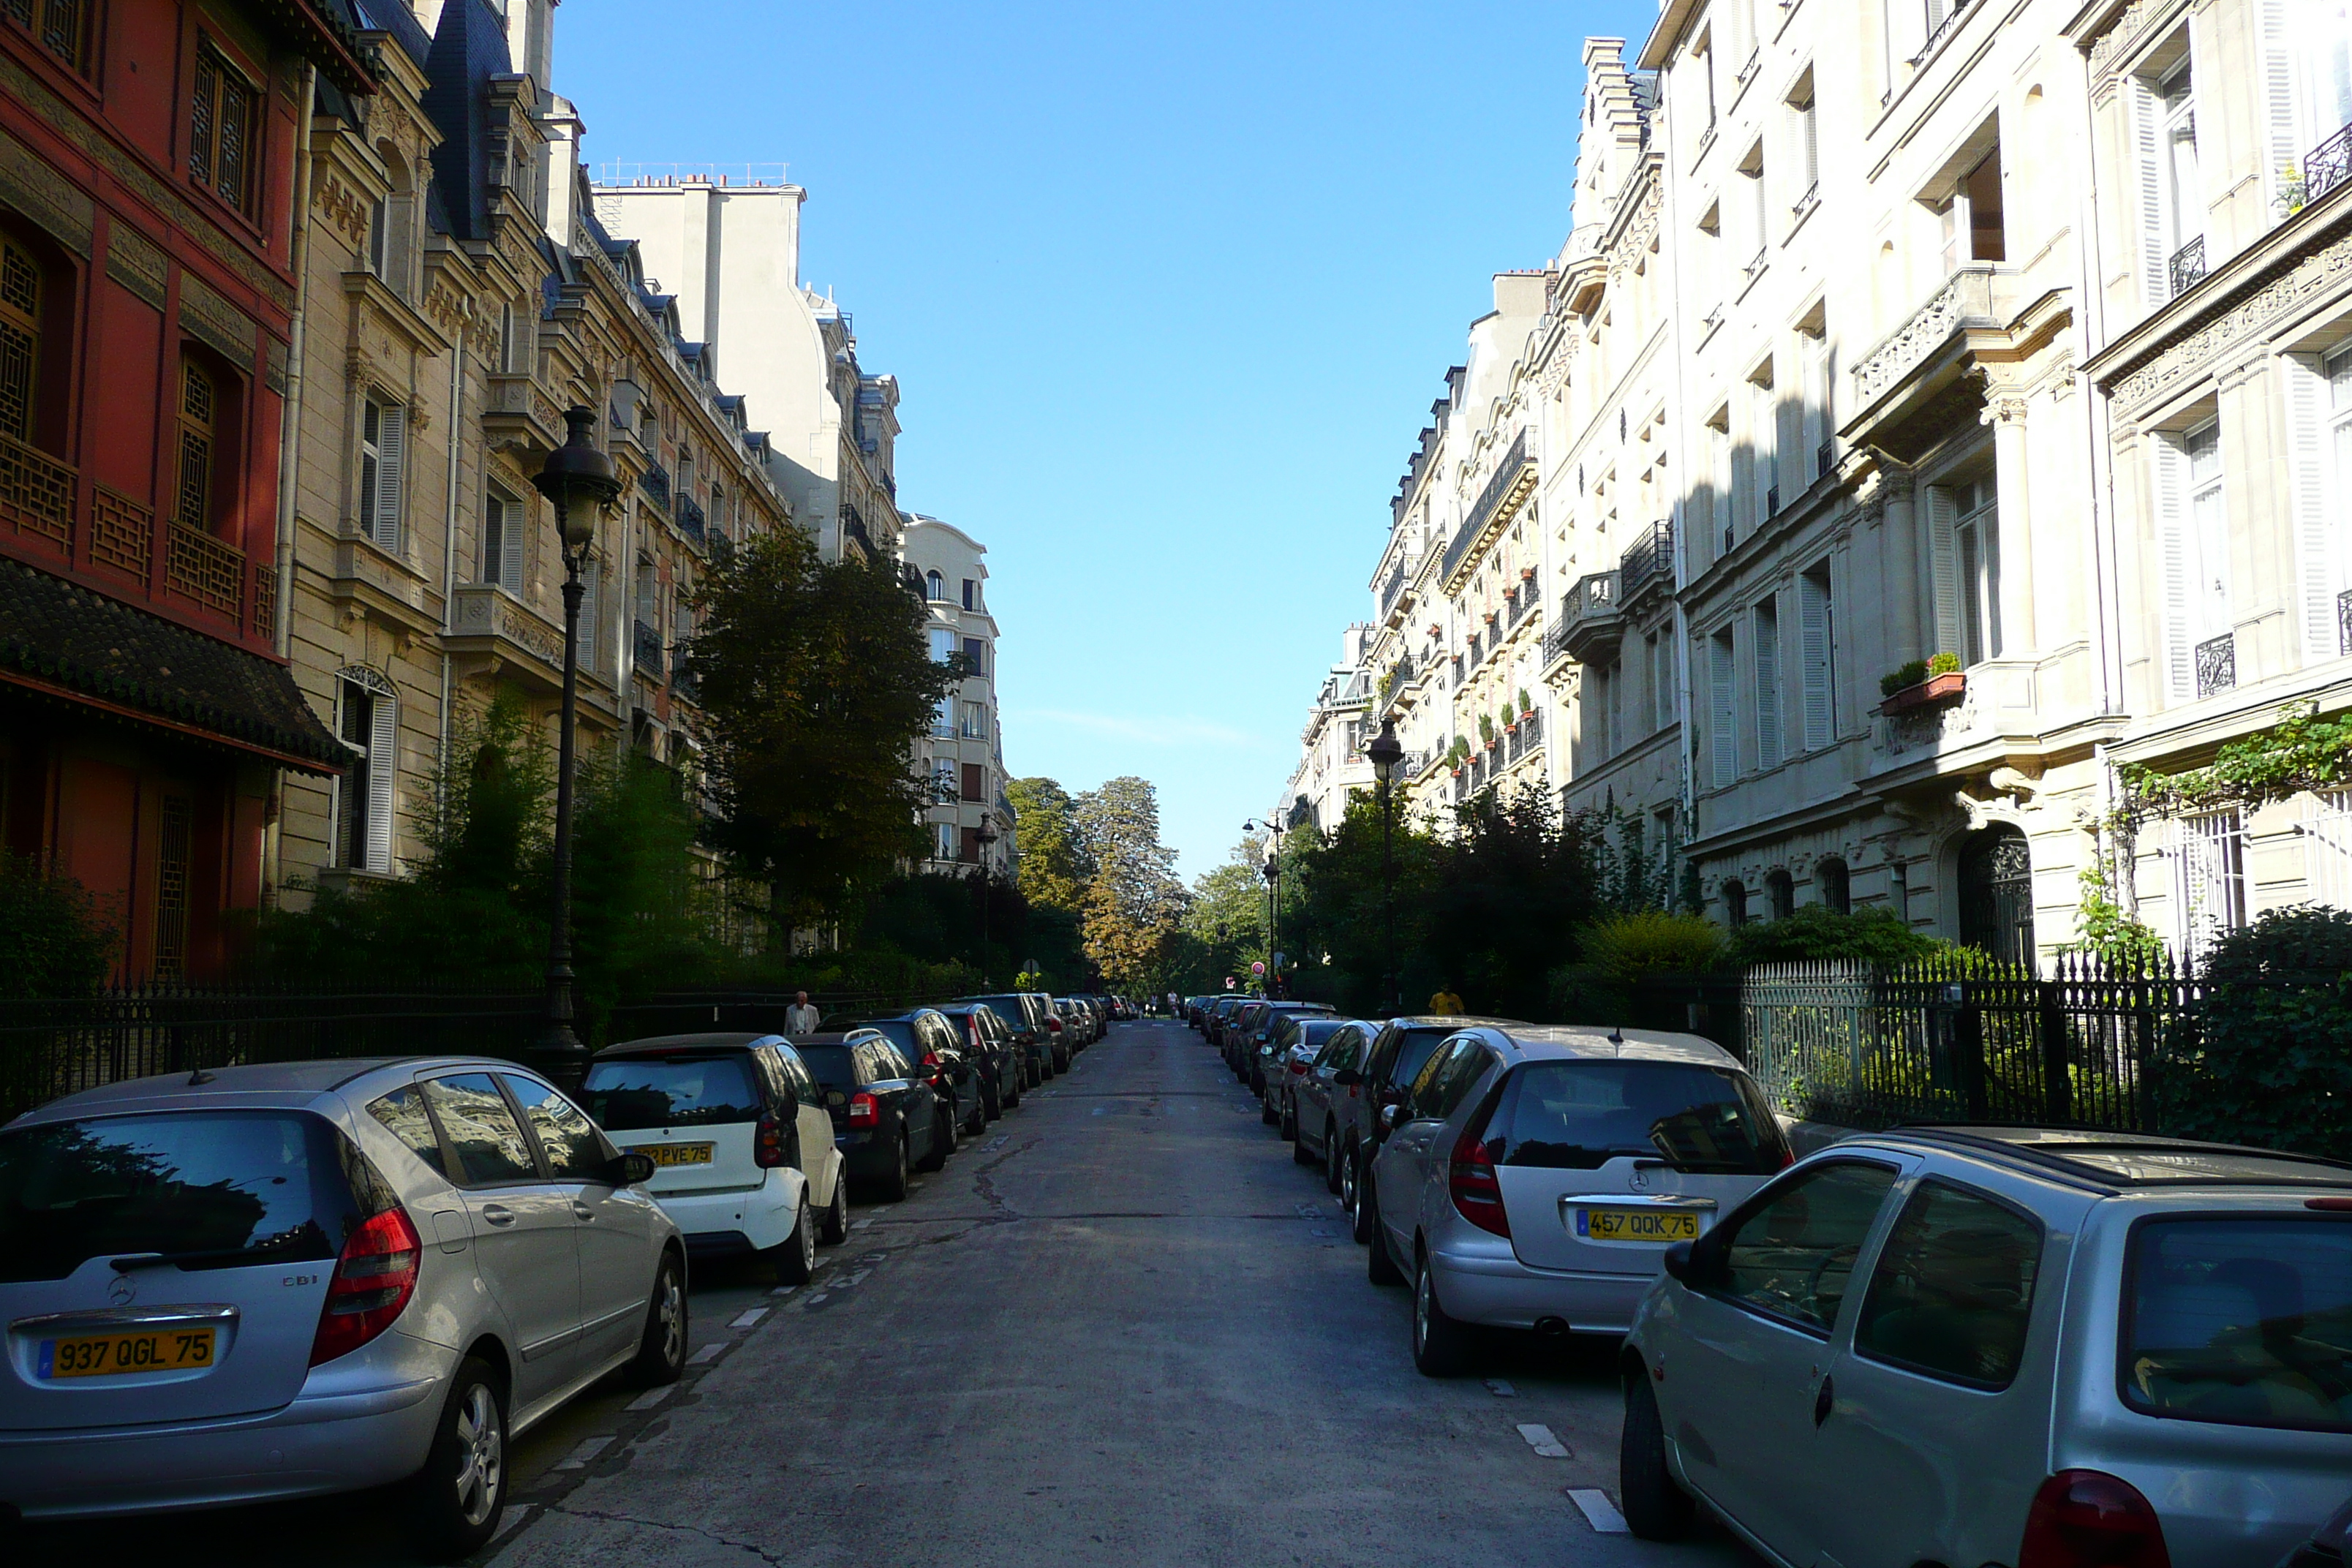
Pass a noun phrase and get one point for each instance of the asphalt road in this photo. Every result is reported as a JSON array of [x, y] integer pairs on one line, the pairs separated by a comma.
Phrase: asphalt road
[[1122, 1327]]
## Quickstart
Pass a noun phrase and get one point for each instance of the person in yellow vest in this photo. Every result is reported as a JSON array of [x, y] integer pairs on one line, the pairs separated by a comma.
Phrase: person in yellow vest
[[1444, 1004]]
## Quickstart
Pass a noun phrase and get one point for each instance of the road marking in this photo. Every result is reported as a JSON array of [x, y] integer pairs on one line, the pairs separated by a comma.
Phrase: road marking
[[648, 1400], [750, 1320], [1599, 1511], [1541, 1439], [708, 1353], [1321, 1234], [861, 1224], [847, 1280], [515, 1519], [816, 1300], [781, 1291], [578, 1459], [1501, 1390]]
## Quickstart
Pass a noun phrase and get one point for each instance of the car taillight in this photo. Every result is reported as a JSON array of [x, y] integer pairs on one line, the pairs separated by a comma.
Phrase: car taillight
[[2088, 1519], [372, 1281], [975, 1038], [768, 1144], [1299, 1068], [864, 1110], [1054, 1025], [1470, 1177]]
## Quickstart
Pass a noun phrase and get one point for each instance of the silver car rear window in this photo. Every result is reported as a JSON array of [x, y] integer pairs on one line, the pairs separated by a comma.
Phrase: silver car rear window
[[632, 1092], [210, 1189], [2244, 1322], [1578, 1115]]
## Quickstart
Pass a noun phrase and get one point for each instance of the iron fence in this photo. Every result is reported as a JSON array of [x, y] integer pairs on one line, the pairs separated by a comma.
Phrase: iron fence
[[1962, 1039]]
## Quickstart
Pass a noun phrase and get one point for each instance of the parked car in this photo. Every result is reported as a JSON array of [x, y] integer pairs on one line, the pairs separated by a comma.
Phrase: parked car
[[1079, 1019], [1535, 1176], [1399, 1052], [1990, 1345], [1025, 1015], [1236, 1040], [1221, 1012], [886, 1118], [2329, 1546], [1257, 1049], [1294, 1042], [219, 1290], [990, 1039], [935, 1048], [741, 1147], [1317, 1095]]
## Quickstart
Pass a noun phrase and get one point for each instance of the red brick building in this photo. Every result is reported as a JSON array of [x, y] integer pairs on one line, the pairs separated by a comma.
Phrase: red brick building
[[148, 151]]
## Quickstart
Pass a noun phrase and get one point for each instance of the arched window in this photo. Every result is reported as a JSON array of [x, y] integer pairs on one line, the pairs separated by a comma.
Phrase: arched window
[[1997, 894], [935, 587], [1735, 904], [1834, 886], [369, 723], [1780, 891]]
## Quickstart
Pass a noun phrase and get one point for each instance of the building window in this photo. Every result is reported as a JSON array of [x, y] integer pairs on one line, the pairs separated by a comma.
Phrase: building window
[[1780, 894], [2323, 43], [1655, 650], [363, 804], [1806, 110], [62, 27], [1723, 712], [1817, 656], [935, 587], [971, 594], [20, 339], [200, 400], [972, 787], [379, 238], [975, 721], [943, 643], [1964, 552], [1813, 367], [1974, 220], [502, 540], [1835, 886], [2193, 529], [592, 603], [976, 650], [943, 840], [1720, 480], [383, 443], [1768, 683], [1763, 442], [223, 122], [943, 721], [2209, 854], [174, 851], [1735, 904], [944, 782]]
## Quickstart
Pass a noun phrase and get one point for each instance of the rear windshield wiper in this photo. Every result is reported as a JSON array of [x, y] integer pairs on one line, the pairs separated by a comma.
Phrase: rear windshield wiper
[[258, 1253]]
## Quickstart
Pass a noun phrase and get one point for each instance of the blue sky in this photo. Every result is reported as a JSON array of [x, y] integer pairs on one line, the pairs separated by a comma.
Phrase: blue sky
[[1169, 290]]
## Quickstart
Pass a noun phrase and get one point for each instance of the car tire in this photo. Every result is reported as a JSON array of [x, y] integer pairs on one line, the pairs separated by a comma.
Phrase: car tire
[[977, 1122], [1289, 1122], [1351, 1191], [943, 1141], [892, 1188], [992, 1103], [1332, 1157], [835, 1229], [661, 1349], [796, 1256], [1009, 1098], [1266, 1113], [1442, 1346], [454, 1503], [1655, 1508], [1380, 1268], [1300, 1151]]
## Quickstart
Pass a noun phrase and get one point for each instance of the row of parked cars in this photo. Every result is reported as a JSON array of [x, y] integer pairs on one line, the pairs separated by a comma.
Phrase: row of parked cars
[[2038, 1347], [272, 1282]]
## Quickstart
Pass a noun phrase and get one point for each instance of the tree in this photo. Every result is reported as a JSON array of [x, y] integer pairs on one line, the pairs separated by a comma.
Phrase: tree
[[1055, 867], [1134, 901], [1224, 924], [817, 683]]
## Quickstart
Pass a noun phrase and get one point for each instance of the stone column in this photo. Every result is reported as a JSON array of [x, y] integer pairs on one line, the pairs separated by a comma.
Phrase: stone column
[[1900, 564], [2005, 412]]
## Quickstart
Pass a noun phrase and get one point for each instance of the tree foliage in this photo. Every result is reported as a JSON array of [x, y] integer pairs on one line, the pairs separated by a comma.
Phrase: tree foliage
[[817, 683], [1133, 900], [2267, 1058], [1868, 935], [1055, 866], [55, 938]]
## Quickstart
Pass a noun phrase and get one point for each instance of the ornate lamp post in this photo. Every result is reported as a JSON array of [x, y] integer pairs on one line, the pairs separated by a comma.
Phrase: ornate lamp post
[[1386, 751], [580, 482], [1272, 871], [984, 838]]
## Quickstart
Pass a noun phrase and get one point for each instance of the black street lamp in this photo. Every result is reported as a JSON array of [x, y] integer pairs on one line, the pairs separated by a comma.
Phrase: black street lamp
[[580, 482], [1386, 751], [1272, 871], [984, 838]]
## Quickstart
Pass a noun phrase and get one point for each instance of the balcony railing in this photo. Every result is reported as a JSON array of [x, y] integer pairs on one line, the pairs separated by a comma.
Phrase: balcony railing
[[1512, 479], [691, 519], [200, 567], [1649, 559], [654, 482], [2188, 267], [2344, 621], [1964, 301], [1590, 614], [36, 491], [1944, 29], [2327, 165], [650, 661], [1393, 589], [2216, 665], [682, 679]]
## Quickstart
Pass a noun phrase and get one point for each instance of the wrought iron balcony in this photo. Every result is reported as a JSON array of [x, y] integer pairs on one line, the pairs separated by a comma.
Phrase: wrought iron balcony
[[2216, 665], [2344, 621], [2327, 165], [651, 663], [1392, 595], [654, 482], [1592, 618], [691, 519], [2188, 267], [1514, 480], [1648, 560], [682, 679]]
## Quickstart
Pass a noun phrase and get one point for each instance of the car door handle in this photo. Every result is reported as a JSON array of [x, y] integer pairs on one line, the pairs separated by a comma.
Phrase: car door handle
[[1825, 1401], [498, 1214], [581, 1211]]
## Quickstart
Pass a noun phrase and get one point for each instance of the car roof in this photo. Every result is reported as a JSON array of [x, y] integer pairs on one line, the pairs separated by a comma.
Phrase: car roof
[[1578, 1042], [1455, 1021], [2119, 1161], [661, 1045], [255, 1084]]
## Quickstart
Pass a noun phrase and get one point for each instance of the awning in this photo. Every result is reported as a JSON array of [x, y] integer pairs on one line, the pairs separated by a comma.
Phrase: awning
[[68, 642]]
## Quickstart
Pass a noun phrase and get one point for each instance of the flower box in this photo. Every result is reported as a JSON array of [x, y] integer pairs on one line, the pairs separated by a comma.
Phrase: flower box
[[1935, 689]]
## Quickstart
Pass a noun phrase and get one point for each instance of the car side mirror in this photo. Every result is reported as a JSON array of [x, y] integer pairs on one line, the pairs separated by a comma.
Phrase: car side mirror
[[1347, 1077], [1389, 1114], [630, 1170], [1678, 1261], [1266, 1050]]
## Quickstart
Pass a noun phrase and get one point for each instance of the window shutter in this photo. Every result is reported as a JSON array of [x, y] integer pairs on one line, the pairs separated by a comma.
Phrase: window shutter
[[1724, 743], [591, 594], [1944, 567], [2282, 141], [390, 444], [1768, 685], [511, 536], [383, 763], [1814, 630], [2306, 418], [2172, 545], [2148, 125]]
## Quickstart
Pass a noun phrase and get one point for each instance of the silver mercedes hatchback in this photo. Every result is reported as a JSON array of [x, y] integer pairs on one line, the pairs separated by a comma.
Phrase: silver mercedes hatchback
[[1533, 1177], [276, 1281]]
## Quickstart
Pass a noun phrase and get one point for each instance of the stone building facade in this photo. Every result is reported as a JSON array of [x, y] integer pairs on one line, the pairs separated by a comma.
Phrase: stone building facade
[[965, 754]]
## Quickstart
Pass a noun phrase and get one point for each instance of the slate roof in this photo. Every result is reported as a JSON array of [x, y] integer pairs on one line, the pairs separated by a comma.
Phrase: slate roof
[[66, 636], [469, 48], [394, 17]]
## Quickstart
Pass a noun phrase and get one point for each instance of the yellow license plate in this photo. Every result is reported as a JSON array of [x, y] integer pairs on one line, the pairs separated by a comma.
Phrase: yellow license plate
[[119, 1355], [675, 1153], [1637, 1225]]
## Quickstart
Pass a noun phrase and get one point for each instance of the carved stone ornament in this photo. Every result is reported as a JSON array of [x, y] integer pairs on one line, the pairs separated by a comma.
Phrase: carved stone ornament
[[342, 206], [45, 196], [137, 263], [2321, 272]]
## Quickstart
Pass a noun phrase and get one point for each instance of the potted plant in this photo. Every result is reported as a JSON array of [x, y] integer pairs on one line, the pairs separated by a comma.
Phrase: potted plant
[[1486, 729], [1527, 573], [1923, 683]]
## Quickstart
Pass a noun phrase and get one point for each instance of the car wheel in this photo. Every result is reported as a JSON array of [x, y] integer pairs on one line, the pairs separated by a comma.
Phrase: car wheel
[[1442, 1347], [1009, 1095], [894, 1182], [1266, 1113], [835, 1230], [796, 1257], [1288, 1110], [1350, 1185], [454, 1502], [991, 1101], [661, 1351], [977, 1122], [1655, 1508], [943, 1140], [1381, 1269], [1330, 1156], [1299, 1153]]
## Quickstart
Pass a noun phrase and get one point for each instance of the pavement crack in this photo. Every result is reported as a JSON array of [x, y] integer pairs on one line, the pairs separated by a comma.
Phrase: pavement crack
[[606, 1516]]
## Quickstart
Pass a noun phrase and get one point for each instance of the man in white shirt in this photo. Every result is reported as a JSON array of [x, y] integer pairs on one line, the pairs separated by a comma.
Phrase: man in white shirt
[[800, 1017]]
